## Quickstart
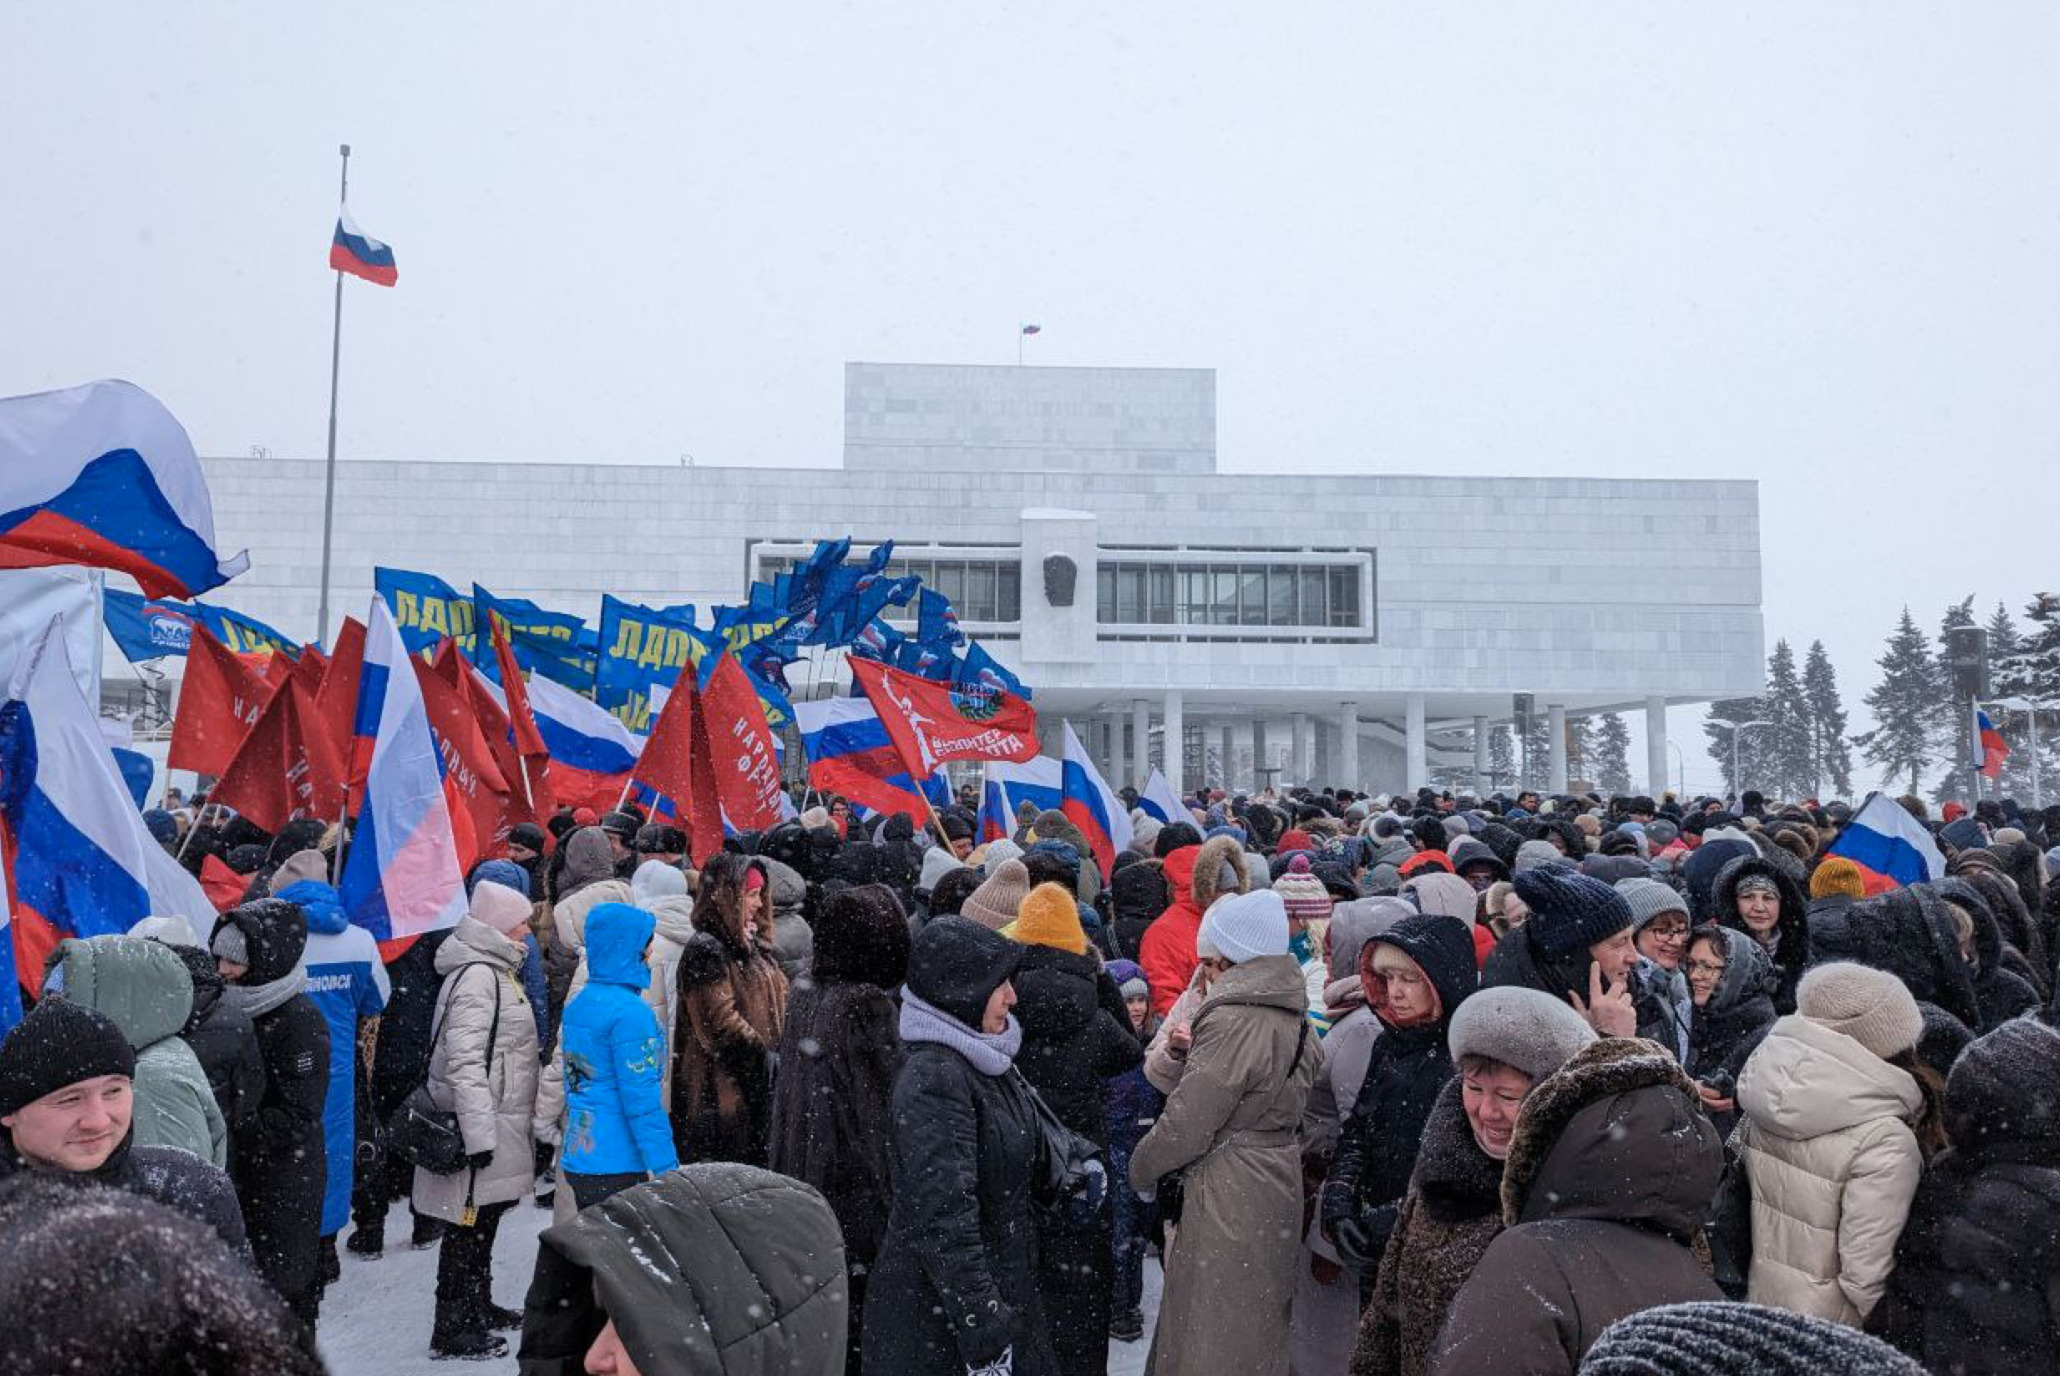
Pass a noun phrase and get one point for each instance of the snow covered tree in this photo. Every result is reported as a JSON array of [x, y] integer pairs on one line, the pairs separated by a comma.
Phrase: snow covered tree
[[2032, 671], [1502, 756], [1580, 749], [1949, 709], [1536, 756], [1789, 773], [1904, 704], [1753, 760], [2004, 647], [1612, 747], [1831, 758]]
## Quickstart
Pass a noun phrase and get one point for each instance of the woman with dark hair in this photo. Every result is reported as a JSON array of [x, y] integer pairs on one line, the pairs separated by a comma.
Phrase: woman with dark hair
[[732, 1000]]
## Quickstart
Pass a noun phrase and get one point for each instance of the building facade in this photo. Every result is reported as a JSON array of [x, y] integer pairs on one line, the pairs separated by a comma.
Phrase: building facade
[[1280, 627]]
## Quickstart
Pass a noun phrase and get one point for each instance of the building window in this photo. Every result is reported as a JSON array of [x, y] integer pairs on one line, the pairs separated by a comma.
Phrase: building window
[[1135, 592], [981, 588]]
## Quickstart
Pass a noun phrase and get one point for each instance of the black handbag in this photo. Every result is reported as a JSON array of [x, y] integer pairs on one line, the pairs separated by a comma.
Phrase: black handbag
[[419, 1132], [1067, 1164], [1729, 1229]]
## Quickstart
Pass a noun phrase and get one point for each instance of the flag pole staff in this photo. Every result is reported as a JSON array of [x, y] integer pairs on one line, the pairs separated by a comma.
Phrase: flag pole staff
[[335, 369]]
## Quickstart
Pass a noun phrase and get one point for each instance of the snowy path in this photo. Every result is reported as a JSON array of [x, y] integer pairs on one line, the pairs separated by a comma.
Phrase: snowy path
[[375, 1321]]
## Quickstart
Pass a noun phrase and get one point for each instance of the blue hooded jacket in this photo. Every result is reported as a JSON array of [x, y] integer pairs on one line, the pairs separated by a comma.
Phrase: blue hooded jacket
[[347, 981], [614, 1050]]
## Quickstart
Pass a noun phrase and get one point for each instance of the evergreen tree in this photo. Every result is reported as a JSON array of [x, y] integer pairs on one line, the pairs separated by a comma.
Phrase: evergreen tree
[[2003, 648], [1949, 709], [1753, 759], [1536, 757], [1904, 704], [1831, 758], [1787, 746], [1612, 756], [1502, 756], [1580, 749], [2032, 671]]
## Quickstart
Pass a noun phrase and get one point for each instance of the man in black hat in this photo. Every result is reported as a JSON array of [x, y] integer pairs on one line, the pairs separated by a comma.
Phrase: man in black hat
[[657, 841], [621, 831]]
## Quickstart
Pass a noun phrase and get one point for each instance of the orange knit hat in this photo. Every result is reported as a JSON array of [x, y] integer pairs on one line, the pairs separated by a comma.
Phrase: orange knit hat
[[1050, 917], [1837, 876]]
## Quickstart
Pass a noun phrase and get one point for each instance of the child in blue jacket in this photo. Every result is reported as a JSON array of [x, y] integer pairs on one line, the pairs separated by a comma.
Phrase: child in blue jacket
[[1133, 1106], [616, 1130]]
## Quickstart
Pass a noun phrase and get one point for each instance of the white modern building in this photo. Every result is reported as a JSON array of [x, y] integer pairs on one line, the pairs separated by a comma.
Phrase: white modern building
[[1348, 628]]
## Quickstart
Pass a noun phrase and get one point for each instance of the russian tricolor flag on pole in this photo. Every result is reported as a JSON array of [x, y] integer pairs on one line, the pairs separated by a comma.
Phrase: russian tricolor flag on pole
[[1090, 805], [102, 475], [592, 752], [850, 754], [1160, 801], [78, 859], [1886, 841], [1994, 749], [1005, 787], [359, 254], [401, 878]]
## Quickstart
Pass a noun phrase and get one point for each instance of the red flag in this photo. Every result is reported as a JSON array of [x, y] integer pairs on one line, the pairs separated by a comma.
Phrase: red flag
[[740, 748], [930, 722], [336, 702], [529, 787], [219, 700], [528, 741], [274, 776], [278, 669], [223, 886], [471, 777], [675, 765]]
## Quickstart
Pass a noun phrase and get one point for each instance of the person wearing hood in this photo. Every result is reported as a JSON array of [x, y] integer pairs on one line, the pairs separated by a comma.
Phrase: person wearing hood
[[789, 937], [616, 1133], [1076, 1034], [348, 984], [483, 1069], [955, 1289], [1447, 895], [1758, 897], [1659, 981], [2021, 951], [1133, 1104], [661, 890], [1417, 974], [1138, 892], [1611, 1168], [1575, 945], [1199, 875], [732, 999], [218, 1032], [1700, 869], [1731, 980], [840, 1051], [278, 1163], [1978, 1266], [1504, 1042], [588, 878], [1999, 993], [1910, 933], [1230, 1125], [708, 1270], [67, 1098], [937, 862], [144, 989], [1833, 1109]]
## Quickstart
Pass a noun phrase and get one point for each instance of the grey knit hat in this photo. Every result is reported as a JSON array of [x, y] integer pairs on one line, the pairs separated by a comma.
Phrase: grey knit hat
[[1706, 1338], [1531, 854], [1648, 899], [1871, 1006], [1519, 1027]]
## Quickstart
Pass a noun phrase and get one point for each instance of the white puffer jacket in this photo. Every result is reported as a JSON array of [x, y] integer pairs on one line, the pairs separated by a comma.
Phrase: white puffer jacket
[[491, 1088], [1827, 1143]]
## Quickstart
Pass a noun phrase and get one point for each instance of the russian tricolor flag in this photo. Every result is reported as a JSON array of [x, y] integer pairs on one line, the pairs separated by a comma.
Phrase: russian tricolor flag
[[78, 859], [102, 475], [1884, 840], [1090, 805], [1006, 786], [592, 752], [1160, 801], [401, 877], [849, 753], [359, 254], [1994, 749]]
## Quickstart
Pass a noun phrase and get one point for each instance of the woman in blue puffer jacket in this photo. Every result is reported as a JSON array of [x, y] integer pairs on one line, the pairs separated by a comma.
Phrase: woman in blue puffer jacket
[[616, 1130]]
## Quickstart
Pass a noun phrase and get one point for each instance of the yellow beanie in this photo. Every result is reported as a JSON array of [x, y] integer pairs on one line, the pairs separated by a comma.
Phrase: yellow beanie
[[1050, 917], [1837, 876]]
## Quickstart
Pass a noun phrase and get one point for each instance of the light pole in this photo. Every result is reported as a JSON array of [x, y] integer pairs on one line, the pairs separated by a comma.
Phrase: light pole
[[1738, 781], [1680, 766]]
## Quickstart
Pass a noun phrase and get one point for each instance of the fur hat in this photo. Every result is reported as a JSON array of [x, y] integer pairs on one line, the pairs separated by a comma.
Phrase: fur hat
[[1648, 898], [1524, 1028], [1303, 894], [1570, 912], [59, 1043], [1871, 1006], [1049, 916], [1245, 926], [993, 905], [1838, 877]]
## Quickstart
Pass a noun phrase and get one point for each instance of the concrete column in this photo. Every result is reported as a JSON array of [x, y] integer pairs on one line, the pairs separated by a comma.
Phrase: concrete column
[[1482, 783], [1302, 767], [1555, 750], [1346, 771], [1140, 743], [1176, 740], [1229, 757], [1656, 746], [1416, 769], [1259, 748]]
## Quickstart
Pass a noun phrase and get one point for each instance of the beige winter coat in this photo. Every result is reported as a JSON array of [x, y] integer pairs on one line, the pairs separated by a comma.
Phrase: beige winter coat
[[1232, 1120], [492, 1090], [1826, 1141]]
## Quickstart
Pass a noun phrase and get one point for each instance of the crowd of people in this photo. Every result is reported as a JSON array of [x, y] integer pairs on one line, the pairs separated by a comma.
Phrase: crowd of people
[[1421, 1085]]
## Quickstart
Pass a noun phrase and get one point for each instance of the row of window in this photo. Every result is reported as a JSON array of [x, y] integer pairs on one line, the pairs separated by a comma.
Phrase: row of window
[[979, 589], [1229, 594]]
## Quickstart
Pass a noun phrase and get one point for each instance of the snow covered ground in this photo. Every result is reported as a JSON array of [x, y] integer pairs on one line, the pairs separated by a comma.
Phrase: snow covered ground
[[375, 1321]]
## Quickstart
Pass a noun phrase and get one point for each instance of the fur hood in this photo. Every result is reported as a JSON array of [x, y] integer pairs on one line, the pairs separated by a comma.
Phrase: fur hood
[[1457, 1180], [1203, 881]]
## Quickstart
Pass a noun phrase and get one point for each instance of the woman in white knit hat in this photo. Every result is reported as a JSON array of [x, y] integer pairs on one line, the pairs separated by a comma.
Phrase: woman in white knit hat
[[1839, 1118]]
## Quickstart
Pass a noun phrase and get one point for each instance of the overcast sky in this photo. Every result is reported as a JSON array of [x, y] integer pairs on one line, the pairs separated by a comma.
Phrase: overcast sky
[[1817, 245]]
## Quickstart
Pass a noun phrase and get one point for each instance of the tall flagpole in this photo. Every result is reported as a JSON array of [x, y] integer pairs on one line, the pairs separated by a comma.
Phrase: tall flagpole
[[335, 367]]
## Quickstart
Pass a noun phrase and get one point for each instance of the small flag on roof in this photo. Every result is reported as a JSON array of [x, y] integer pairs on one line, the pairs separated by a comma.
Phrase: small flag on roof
[[359, 254]]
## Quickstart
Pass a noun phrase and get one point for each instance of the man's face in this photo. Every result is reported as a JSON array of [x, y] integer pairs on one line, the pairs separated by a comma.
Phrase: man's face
[[961, 846], [1527, 801], [521, 855], [77, 1127], [617, 846]]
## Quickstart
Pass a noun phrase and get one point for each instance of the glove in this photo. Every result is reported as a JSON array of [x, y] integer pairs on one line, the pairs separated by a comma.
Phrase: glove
[[1094, 1185], [479, 1160], [1000, 1366]]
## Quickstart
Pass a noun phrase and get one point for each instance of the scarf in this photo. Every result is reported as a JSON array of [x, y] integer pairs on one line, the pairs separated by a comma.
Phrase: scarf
[[260, 999], [990, 1053]]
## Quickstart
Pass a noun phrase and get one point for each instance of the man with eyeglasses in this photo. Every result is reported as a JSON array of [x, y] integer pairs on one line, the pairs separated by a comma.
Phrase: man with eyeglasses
[[1659, 984]]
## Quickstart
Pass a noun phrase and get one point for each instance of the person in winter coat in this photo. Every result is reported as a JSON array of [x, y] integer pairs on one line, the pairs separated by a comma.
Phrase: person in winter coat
[[1828, 1143], [1199, 875], [1417, 974], [1758, 897], [400, 1062], [1910, 933], [790, 938], [1731, 980], [708, 1270], [483, 1068], [1659, 983], [1133, 1105], [588, 878], [616, 1133], [1703, 1339], [839, 1053], [66, 1101], [278, 1163], [1999, 992], [732, 999], [1504, 1042], [220, 1035], [99, 1282], [1611, 1169], [1448, 895], [347, 982], [661, 890], [1139, 891], [955, 1289], [1575, 945], [1230, 1125], [145, 991], [1977, 1269], [1076, 1034]]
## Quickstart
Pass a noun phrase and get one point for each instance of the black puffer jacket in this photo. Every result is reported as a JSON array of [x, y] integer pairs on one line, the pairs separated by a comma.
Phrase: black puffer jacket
[[1378, 1143], [1792, 929], [223, 1041], [1976, 1286], [169, 1175], [1908, 933], [2024, 950], [1138, 893], [2000, 993], [1724, 1032], [1076, 1036]]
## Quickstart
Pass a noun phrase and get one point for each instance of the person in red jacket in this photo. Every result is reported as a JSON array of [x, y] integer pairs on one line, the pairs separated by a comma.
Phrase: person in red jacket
[[1199, 876]]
